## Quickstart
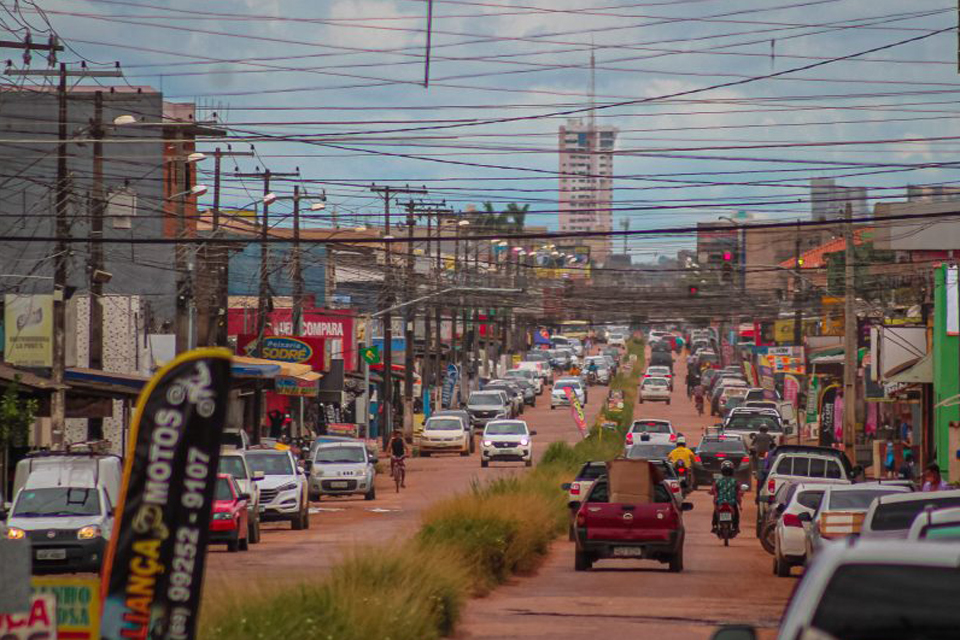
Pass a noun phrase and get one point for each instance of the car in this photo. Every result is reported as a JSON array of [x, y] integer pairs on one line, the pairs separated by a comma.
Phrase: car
[[604, 372], [657, 454], [629, 530], [531, 375], [66, 515], [514, 394], [616, 340], [758, 394], [654, 390], [871, 589], [509, 440], [892, 516], [444, 434], [712, 451], [730, 399], [660, 372], [746, 422], [228, 523], [761, 404], [529, 391], [655, 430], [577, 346], [484, 406], [234, 462], [284, 493], [236, 438], [465, 416], [662, 358], [580, 487], [558, 396], [841, 512], [936, 524], [540, 368], [319, 440], [722, 391], [342, 468], [783, 535]]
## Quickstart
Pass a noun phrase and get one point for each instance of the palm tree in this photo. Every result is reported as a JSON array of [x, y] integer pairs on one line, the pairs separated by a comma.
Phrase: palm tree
[[512, 219]]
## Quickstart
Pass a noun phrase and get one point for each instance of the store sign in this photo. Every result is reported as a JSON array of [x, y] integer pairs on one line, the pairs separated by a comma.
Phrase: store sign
[[39, 623], [291, 386], [309, 351], [345, 429], [338, 331], [28, 330], [78, 605]]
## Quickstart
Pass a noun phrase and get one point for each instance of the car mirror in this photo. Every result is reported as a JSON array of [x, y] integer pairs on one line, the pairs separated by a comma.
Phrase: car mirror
[[565, 486], [243, 496], [257, 476], [739, 632], [687, 506], [534, 432], [805, 517]]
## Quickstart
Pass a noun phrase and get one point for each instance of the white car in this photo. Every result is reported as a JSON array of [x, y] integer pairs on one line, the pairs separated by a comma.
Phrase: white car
[[616, 340], [603, 368], [650, 430], [343, 468], [283, 490], [234, 462], [872, 589], [558, 397], [444, 434], [938, 524], [892, 516], [540, 367], [789, 539], [657, 371], [655, 390], [506, 440], [529, 374], [801, 464]]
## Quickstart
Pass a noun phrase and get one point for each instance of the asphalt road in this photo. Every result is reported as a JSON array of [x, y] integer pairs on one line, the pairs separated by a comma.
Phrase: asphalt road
[[639, 599]]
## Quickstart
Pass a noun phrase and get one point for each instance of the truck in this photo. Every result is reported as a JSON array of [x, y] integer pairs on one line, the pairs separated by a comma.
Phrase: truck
[[629, 513]]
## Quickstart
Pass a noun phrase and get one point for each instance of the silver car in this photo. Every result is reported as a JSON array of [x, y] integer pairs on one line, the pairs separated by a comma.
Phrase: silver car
[[340, 469]]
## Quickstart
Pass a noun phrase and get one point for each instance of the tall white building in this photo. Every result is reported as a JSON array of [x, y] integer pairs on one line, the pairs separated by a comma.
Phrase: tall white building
[[586, 182]]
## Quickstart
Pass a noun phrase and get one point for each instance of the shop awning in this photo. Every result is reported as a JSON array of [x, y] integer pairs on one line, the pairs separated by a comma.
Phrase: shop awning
[[919, 371], [105, 382], [833, 355], [262, 368]]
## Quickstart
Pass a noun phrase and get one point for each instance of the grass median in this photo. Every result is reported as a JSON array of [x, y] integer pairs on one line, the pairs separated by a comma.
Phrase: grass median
[[466, 546]]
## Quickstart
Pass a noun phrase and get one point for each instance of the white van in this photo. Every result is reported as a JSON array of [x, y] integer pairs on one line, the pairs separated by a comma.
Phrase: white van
[[106, 470]]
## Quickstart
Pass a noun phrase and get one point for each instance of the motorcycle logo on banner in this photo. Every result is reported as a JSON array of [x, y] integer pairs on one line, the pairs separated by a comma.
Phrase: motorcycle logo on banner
[[577, 411], [153, 572]]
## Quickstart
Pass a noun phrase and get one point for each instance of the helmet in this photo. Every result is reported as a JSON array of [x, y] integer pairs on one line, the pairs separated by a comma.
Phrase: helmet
[[681, 441], [764, 428], [726, 468]]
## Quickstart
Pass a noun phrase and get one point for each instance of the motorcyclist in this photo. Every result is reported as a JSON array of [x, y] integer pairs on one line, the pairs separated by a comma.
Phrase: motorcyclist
[[698, 394], [726, 491], [592, 370], [760, 446], [398, 453], [682, 452]]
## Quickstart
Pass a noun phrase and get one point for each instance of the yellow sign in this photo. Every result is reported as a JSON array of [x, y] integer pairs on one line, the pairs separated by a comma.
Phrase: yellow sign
[[78, 605], [832, 325], [28, 330]]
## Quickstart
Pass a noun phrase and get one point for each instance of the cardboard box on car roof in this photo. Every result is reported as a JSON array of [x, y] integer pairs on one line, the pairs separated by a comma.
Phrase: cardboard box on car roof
[[632, 481]]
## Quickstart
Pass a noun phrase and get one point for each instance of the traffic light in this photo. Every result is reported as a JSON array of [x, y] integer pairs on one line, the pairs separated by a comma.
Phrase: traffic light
[[727, 256], [693, 290]]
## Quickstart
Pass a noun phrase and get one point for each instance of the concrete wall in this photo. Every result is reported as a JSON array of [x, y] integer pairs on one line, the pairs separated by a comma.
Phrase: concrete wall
[[930, 234], [946, 378]]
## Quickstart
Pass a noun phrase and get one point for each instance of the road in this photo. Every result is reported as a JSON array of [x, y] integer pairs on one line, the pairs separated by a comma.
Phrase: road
[[339, 524], [640, 599]]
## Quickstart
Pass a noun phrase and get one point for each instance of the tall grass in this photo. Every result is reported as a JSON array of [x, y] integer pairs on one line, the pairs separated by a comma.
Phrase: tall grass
[[466, 546]]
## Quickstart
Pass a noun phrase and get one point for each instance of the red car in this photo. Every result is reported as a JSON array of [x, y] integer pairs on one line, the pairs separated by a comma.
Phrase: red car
[[229, 522]]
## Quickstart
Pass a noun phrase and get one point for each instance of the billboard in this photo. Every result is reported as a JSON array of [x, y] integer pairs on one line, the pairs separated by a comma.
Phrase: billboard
[[28, 330], [309, 351]]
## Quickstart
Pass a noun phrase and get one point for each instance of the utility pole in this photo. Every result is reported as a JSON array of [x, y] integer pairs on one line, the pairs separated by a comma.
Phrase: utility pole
[[797, 298], [849, 340], [410, 319], [58, 398], [97, 267], [386, 192]]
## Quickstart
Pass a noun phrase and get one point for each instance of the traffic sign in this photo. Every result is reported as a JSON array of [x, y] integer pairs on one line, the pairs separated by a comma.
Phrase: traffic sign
[[371, 354]]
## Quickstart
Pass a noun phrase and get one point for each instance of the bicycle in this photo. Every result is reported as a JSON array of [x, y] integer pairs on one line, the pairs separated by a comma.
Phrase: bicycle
[[398, 470]]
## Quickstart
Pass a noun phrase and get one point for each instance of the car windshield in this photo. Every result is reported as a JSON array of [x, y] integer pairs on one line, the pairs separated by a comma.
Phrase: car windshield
[[536, 356], [889, 601], [485, 400], [57, 501], [655, 382], [443, 424], [898, 516], [234, 466], [649, 451], [658, 371], [271, 464], [591, 471], [650, 427], [224, 491], [566, 382], [752, 422], [341, 455], [505, 429], [729, 445], [856, 499]]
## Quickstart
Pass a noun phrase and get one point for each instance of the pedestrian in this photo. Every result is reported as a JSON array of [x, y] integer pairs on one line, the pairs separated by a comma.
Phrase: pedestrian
[[906, 432], [932, 480], [889, 460], [908, 470]]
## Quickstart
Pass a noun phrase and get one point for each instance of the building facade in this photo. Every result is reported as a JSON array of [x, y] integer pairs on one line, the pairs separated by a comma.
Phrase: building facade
[[586, 182]]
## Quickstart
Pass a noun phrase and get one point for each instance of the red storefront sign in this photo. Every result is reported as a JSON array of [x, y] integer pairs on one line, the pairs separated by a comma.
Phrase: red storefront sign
[[338, 330], [300, 350]]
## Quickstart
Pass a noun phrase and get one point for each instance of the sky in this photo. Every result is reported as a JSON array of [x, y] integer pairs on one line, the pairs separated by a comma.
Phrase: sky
[[722, 105]]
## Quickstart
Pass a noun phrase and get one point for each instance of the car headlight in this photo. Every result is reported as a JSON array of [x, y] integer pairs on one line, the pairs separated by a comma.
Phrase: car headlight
[[15, 534], [89, 532], [488, 443], [524, 442], [287, 487], [222, 515]]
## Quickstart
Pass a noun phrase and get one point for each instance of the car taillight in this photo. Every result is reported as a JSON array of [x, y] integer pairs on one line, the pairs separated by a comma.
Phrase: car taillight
[[629, 438], [673, 437], [675, 488], [771, 486], [719, 455], [792, 520], [575, 489], [745, 459], [697, 459]]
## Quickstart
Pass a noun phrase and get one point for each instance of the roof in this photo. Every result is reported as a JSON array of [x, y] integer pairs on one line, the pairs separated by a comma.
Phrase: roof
[[29, 381], [918, 496], [817, 257]]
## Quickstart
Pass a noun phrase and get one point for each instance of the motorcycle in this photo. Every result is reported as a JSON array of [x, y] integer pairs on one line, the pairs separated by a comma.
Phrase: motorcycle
[[725, 530], [591, 378], [699, 402], [686, 477]]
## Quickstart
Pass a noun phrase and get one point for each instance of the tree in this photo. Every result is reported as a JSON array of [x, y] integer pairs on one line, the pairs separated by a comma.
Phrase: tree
[[512, 219], [16, 417]]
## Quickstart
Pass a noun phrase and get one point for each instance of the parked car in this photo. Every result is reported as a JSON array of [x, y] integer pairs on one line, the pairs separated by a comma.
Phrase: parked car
[[284, 493], [507, 440], [871, 589], [465, 417], [529, 390], [712, 451], [936, 525], [655, 390], [658, 431], [340, 469], [484, 406], [892, 516], [66, 515], [228, 524], [531, 375], [789, 546], [234, 462], [444, 434], [558, 398], [841, 512], [649, 530]]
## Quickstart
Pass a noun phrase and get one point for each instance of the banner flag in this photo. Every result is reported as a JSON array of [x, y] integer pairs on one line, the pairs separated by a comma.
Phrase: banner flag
[[153, 570], [577, 411]]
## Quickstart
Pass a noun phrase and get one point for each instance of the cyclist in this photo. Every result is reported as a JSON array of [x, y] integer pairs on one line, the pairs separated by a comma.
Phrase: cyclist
[[398, 453]]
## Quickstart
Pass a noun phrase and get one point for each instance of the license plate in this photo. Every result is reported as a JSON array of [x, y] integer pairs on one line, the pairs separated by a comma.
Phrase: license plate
[[627, 552], [51, 554], [726, 516], [339, 484]]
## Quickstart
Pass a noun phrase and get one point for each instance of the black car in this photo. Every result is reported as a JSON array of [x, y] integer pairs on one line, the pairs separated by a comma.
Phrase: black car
[[713, 451]]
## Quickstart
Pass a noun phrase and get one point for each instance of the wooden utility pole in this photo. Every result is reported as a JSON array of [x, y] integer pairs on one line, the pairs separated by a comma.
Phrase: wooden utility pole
[[58, 398], [410, 319], [849, 340], [797, 298], [97, 268]]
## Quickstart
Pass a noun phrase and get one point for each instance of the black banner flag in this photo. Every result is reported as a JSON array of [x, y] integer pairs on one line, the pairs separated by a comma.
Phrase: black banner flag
[[153, 571]]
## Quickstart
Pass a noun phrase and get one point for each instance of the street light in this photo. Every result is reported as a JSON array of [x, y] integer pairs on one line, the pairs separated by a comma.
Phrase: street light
[[463, 223], [318, 206], [125, 119], [195, 190], [195, 157], [270, 198]]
